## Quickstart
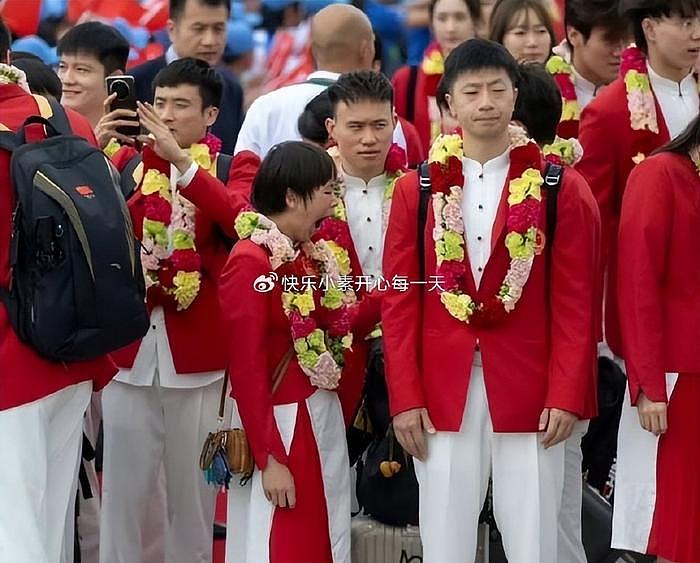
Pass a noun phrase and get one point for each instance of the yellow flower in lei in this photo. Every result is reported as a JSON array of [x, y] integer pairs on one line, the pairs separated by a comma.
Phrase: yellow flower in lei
[[558, 65], [341, 256], [528, 185], [199, 152], [522, 247], [154, 182], [637, 81], [332, 299], [460, 306], [450, 247], [182, 240], [563, 148], [570, 111], [246, 223], [302, 302], [186, 287], [444, 147], [433, 63], [112, 147]]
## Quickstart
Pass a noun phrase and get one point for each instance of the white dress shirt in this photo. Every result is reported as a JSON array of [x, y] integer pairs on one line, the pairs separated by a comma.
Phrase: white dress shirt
[[678, 100], [483, 187], [585, 89], [154, 355], [364, 205]]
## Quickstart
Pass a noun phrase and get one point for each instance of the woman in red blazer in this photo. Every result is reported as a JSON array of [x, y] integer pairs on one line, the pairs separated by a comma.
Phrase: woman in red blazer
[[659, 303], [451, 21], [290, 332]]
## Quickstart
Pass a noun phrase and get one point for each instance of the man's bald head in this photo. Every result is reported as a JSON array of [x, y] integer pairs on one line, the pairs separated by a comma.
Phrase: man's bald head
[[342, 39]]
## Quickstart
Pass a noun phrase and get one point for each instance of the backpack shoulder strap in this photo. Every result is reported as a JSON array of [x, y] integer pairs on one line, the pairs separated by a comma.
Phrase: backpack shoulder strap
[[55, 113], [425, 189], [223, 165], [320, 81], [128, 182], [553, 175], [411, 93]]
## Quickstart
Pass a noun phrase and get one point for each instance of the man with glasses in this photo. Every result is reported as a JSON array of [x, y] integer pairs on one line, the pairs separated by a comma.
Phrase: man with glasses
[[652, 102]]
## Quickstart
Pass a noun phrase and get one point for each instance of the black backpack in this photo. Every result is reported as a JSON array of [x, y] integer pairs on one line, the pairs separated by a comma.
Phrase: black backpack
[[77, 290]]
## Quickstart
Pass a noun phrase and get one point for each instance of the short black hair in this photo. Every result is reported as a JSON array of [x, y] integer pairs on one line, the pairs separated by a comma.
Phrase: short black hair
[[584, 15], [4, 39], [360, 86], [538, 105], [195, 72], [473, 6], [312, 121], [177, 7], [40, 77], [102, 41], [636, 11], [478, 54], [294, 165]]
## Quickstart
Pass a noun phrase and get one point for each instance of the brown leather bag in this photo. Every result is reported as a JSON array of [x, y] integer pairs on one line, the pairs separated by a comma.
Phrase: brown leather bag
[[234, 441]]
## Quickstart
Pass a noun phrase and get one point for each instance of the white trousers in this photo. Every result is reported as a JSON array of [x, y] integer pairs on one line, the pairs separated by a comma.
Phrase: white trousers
[[40, 449], [146, 428], [570, 542], [453, 481]]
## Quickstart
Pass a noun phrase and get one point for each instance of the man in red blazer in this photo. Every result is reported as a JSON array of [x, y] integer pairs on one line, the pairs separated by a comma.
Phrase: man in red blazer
[[368, 164], [493, 358], [616, 134], [41, 402], [160, 407], [589, 57]]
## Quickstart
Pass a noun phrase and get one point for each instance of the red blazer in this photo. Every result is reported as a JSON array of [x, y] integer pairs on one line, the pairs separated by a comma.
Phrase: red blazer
[[197, 338], [421, 117], [258, 336], [542, 355], [609, 145], [24, 375], [658, 273]]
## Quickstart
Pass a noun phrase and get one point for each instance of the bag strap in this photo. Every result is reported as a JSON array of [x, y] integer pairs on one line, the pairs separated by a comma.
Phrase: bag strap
[[58, 117], [425, 189], [223, 165], [411, 93], [553, 175], [277, 377], [321, 81]]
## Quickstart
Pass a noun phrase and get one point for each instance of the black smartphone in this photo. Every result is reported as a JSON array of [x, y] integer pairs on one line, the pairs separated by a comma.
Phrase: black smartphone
[[123, 86]]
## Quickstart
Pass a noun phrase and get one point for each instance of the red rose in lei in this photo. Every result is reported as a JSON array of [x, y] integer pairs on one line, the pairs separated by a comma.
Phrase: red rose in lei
[[452, 275], [395, 159], [335, 230], [187, 260], [524, 215], [301, 327], [633, 59], [566, 86], [157, 209], [442, 178]]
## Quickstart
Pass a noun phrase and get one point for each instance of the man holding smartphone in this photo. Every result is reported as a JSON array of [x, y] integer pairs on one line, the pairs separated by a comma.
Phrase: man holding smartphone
[[89, 53], [163, 402]]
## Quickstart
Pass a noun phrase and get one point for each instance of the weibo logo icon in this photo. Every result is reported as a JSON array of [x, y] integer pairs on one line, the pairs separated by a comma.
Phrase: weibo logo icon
[[85, 191]]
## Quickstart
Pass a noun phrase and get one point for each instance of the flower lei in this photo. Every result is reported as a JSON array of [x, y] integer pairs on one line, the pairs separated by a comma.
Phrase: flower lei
[[563, 151], [562, 72], [523, 241], [320, 353], [640, 98], [394, 167], [13, 75], [169, 255]]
